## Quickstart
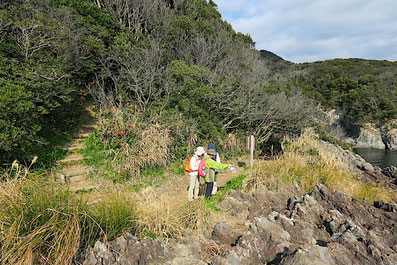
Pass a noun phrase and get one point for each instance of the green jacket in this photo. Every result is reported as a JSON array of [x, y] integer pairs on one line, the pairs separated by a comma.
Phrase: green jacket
[[211, 165]]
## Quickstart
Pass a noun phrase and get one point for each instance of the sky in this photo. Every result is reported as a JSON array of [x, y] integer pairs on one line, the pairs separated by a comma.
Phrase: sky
[[313, 30]]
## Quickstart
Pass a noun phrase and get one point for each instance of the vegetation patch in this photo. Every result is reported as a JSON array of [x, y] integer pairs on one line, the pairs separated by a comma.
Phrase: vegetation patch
[[233, 184], [335, 141], [305, 163]]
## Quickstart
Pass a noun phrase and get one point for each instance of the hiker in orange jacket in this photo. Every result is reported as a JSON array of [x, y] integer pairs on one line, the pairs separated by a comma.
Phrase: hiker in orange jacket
[[194, 183]]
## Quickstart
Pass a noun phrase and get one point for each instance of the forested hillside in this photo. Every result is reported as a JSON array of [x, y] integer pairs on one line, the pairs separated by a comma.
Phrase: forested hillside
[[176, 59], [366, 89]]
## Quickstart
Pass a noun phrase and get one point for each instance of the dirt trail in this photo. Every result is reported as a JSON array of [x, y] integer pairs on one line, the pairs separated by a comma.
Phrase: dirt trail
[[74, 172], [178, 188]]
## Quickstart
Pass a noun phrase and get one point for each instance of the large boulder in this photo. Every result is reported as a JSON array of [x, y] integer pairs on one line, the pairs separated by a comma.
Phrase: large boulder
[[369, 137], [224, 234]]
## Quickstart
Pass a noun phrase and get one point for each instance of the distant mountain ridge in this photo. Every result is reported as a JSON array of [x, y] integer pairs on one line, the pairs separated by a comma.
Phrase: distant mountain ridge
[[274, 62]]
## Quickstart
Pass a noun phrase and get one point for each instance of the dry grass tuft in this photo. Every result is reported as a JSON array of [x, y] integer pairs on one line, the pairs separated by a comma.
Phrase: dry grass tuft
[[212, 249], [164, 216], [154, 145], [157, 214]]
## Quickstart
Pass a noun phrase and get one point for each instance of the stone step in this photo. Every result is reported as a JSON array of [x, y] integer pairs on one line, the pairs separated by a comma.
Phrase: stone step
[[76, 178], [90, 127], [84, 188], [76, 144], [82, 135], [72, 158], [75, 148], [75, 173]]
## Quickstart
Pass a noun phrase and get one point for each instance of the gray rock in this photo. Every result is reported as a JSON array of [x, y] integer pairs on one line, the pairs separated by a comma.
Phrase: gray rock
[[91, 260], [187, 250], [305, 208], [308, 256], [390, 171], [224, 234], [124, 250], [270, 231], [232, 259]]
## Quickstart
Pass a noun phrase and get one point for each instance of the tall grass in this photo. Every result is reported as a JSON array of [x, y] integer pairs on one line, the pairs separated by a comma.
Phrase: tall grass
[[307, 163], [42, 222], [39, 223]]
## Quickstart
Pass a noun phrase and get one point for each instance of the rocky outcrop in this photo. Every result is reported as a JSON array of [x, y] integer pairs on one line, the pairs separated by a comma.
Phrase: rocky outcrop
[[323, 228], [367, 136], [326, 227], [391, 172], [390, 139]]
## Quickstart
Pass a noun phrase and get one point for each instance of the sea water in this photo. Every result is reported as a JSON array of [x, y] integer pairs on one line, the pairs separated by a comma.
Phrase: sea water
[[380, 158]]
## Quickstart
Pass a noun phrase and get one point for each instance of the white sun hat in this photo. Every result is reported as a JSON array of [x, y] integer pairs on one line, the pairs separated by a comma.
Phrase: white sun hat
[[200, 150]]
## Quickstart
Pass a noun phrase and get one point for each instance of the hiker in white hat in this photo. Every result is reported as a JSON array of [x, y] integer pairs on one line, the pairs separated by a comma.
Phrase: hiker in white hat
[[191, 167]]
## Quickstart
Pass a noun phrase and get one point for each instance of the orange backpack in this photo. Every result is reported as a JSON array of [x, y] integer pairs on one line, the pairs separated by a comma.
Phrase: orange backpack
[[187, 165]]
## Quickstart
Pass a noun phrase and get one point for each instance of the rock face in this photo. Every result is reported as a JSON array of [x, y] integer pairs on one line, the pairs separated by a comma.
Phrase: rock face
[[390, 139], [363, 137], [368, 136]]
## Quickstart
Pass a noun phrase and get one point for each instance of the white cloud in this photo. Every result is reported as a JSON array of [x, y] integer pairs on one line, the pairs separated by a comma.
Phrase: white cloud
[[308, 30]]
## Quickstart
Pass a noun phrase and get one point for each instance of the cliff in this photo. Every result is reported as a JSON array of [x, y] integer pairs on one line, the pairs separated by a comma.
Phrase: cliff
[[368, 135]]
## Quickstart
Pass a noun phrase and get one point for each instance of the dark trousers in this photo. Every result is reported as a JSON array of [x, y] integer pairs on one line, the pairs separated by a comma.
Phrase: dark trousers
[[208, 190]]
